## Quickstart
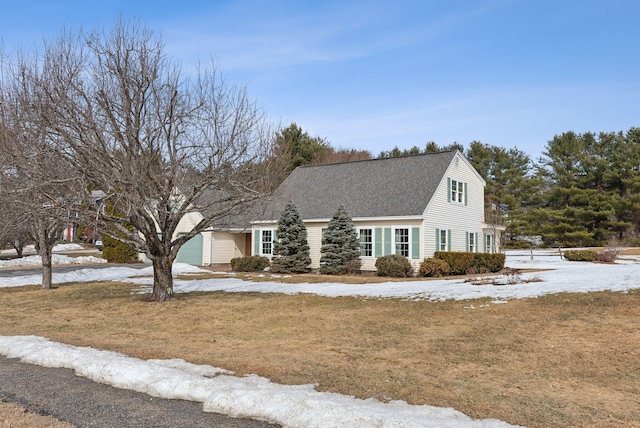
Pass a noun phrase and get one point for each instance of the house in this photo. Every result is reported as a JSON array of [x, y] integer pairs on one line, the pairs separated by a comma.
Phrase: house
[[411, 205]]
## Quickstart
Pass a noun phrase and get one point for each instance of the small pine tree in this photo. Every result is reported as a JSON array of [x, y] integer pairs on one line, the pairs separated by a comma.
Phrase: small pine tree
[[291, 249], [340, 251]]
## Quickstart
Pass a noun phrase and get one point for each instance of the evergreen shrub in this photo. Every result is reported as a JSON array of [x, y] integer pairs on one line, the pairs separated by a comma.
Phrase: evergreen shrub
[[488, 262], [249, 264], [394, 265], [432, 267], [580, 255], [291, 251], [459, 263], [340, 251], [116, 251]]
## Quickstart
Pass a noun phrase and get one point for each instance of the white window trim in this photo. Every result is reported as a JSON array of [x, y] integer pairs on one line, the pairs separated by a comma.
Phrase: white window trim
[[409, 241], [471, 247], [373, 250], [489, 244], [446, 240], [260, 247], [459, 192]]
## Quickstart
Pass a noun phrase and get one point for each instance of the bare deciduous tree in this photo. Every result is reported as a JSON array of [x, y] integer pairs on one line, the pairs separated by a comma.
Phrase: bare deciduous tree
[[161, 144], [38, 190]]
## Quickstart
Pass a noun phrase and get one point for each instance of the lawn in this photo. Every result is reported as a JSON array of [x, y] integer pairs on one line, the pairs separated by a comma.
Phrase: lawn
[[557, 360]]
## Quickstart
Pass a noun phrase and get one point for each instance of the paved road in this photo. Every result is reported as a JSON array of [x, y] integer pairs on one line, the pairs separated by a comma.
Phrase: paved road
[[84, 403]]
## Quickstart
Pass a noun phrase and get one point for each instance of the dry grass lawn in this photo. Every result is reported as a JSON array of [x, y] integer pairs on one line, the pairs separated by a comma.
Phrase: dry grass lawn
[[14, 416], [555, 361]]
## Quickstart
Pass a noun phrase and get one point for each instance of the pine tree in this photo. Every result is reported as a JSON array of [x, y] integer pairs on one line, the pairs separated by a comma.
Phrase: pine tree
[[340, 252], [291, 249]]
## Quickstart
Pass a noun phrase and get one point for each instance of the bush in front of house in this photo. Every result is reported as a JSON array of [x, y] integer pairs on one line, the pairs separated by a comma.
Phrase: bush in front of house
[[488, 262], [249, 264], [394, 265], [340, 251], [580, 255], [432, 267], [459, 263], [291, 249], [116, 251]]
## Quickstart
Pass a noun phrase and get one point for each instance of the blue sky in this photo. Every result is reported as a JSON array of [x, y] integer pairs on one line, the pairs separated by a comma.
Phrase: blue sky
[[378, 74]]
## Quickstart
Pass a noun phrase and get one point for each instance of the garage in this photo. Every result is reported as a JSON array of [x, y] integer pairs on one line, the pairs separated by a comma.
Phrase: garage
[[191, 251]]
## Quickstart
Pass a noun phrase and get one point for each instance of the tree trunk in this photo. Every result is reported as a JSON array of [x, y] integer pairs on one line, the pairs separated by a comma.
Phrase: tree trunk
[[162, 279], [44, 250]]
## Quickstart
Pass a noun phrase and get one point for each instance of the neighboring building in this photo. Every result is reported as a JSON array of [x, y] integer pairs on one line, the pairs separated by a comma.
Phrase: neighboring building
[[411, 205]]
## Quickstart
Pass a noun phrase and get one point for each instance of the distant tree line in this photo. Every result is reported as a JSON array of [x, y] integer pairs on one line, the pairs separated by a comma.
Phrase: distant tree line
[[583, 191]]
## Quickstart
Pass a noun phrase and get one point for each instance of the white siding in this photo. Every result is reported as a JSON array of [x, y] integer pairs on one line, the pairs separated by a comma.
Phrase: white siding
[[458, 218]]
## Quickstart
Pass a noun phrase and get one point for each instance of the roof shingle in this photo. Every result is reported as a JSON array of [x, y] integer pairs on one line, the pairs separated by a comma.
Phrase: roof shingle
[[389, 187]]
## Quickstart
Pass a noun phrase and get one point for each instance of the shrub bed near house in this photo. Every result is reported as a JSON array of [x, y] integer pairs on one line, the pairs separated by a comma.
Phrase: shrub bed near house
[[488, 262], [459, 263], [249, 264], [465, 263], [580, 255], [432, 267], [394, 265]]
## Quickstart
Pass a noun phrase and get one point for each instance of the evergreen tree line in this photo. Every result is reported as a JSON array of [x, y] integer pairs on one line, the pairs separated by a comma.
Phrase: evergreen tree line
[[583, 191]]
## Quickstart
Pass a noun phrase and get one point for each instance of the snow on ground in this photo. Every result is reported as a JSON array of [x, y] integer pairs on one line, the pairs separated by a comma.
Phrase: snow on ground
[[302, 405], [56, 259], [220, 392], [59, 248]]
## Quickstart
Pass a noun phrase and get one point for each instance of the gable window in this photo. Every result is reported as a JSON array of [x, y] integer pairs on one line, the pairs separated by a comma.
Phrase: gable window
[[266, 242], [457, 191], [401, 241], [366, 242]]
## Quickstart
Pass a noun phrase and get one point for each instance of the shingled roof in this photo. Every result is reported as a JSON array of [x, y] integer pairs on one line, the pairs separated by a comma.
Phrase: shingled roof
[[389, 187]]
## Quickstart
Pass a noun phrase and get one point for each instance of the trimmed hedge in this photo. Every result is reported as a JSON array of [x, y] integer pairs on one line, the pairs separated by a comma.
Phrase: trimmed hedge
[[464, 263], [580, 255], [250, 264], [490, 262], [459, 263], [394, 265], [432, 267]]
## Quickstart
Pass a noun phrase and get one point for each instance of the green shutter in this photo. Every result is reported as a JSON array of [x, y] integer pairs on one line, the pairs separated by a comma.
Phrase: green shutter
[[475, 240], [256, 243], [387, 241], [448, 189], [378, 242], [465, 193], [415, 243], [437, 239], [449, 240], [466, 245]]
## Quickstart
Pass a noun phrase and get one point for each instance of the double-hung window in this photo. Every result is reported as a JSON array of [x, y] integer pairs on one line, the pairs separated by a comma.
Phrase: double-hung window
[[488, 241], [443, 240], [401, 241], [457, 191], [266, 242], [366, 242]]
